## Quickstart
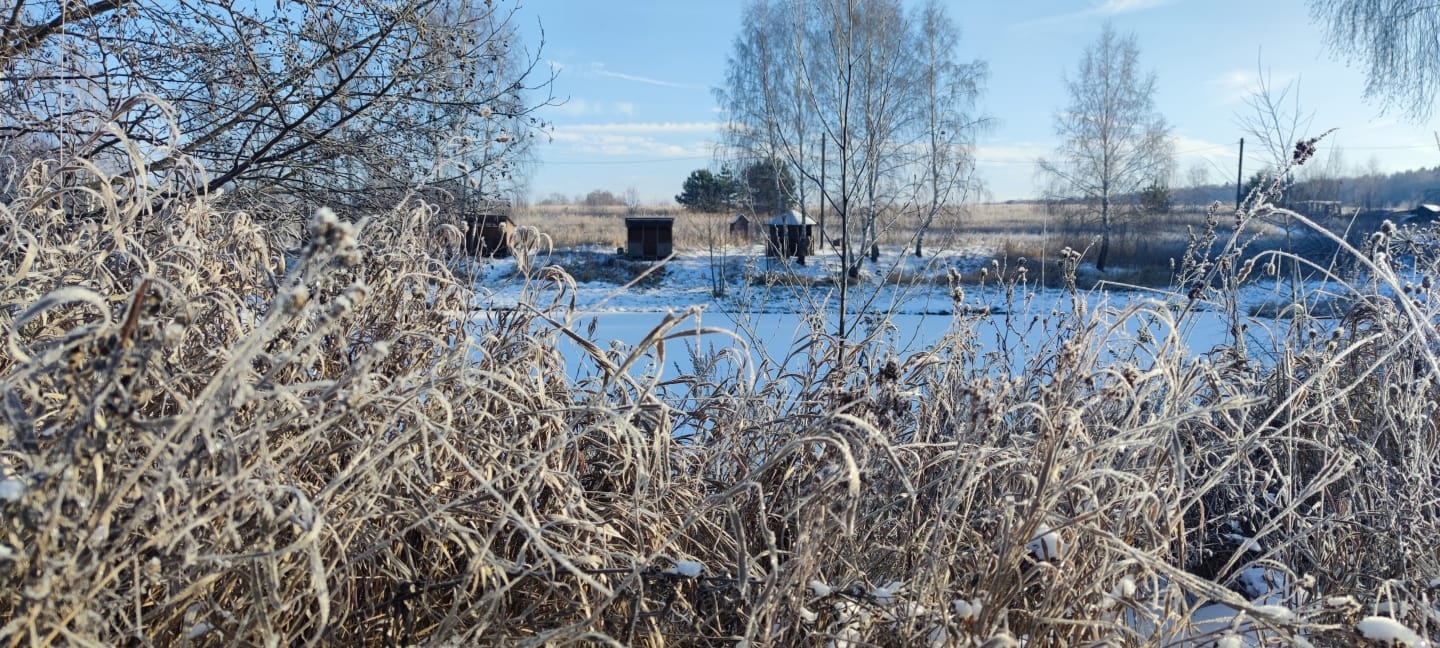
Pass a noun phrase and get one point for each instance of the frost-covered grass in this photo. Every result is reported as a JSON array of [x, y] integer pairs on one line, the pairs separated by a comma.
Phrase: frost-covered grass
[[200, 445]]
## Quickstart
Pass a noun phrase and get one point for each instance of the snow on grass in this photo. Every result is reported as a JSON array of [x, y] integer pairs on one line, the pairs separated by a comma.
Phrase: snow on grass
[[11, 490], [1276, 613], [886, 594], [1390, 632], [686, 569], [966, 609], [1047, 544], [919, 314]]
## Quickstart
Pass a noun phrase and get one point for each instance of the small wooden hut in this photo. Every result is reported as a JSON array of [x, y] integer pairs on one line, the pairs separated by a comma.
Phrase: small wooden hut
[[790, 234], [741, 227], [649, 238], [487, 234], [1319, 208], [1423, 214]]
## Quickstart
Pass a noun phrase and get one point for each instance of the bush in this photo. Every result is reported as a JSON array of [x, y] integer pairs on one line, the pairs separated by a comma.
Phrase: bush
[[200, 445]]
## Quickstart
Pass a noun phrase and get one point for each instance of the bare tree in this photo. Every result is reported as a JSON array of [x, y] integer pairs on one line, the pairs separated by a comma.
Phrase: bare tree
[[829, 87], [1114, 143], [632, 200], [1198, 177], [1398, 42], [316, 102], [767, 107], [1370, 178], [949, 120], [1275, 121]]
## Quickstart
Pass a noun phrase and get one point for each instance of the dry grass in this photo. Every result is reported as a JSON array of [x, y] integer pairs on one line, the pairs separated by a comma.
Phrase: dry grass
[[200, 446], [579, 226], [1144, 250]]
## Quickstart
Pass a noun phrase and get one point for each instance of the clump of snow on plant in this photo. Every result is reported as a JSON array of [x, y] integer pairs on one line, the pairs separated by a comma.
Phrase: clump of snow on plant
[[1230, 640], [1278, 613], [965, 610], [686, 569], [885, 594], [1047, 544], [11, 490], [1124, 590], [1390, 632]]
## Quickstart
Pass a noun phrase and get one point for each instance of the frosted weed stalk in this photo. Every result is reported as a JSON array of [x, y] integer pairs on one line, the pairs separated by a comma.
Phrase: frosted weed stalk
[[200, 446]]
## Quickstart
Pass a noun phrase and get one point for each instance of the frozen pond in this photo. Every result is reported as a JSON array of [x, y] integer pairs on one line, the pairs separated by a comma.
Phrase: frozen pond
[[770, 321], [1132, 327]]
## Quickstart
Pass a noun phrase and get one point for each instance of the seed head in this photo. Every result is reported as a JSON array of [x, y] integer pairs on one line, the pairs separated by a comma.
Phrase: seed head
[[323, 224], [295, 299], [357, 292], [1304, 150]]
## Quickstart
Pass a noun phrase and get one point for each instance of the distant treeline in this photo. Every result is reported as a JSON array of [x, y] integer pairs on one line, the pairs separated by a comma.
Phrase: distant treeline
[[1398, 190]]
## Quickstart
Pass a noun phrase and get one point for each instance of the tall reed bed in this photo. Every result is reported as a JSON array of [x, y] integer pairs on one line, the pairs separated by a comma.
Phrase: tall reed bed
[[209, 442]]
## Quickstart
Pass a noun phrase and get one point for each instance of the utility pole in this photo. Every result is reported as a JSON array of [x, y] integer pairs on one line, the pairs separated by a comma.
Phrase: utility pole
[[1240, 175]]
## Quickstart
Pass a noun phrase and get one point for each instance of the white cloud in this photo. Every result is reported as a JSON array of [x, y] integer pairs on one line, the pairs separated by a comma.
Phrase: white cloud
[[1023, 153], [639, 139], [586, 108], [598, 69], [629, 145], [601, 71], [646, 127], [1112, 7], [1098, 8], [1236, 85]]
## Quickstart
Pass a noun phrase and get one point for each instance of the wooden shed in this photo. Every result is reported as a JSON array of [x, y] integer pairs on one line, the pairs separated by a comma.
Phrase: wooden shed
[[1319, 208], [1423, 214], [742, 227], [487, 234], [790, 234], [650, 237]]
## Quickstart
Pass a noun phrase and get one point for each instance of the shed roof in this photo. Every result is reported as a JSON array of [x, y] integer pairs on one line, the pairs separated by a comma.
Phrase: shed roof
[[642, 221], [790, 217]]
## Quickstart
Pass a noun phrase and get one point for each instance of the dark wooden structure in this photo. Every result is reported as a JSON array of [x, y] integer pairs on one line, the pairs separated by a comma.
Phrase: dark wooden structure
[[487, 234], [741, 227], [790, 234], [649, 238], [1319, 208], [1424, 214]]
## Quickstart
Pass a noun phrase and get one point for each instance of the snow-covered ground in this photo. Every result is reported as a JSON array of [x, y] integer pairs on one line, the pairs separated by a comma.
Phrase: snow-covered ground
[[900, 282], [919, 309], [913, 294]]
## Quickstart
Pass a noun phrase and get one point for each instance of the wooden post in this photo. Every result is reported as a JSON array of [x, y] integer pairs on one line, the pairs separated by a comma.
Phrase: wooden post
[[1240, 175]]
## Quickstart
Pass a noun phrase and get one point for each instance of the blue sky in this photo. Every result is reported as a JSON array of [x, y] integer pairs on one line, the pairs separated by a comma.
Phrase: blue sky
[[637, 78]]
